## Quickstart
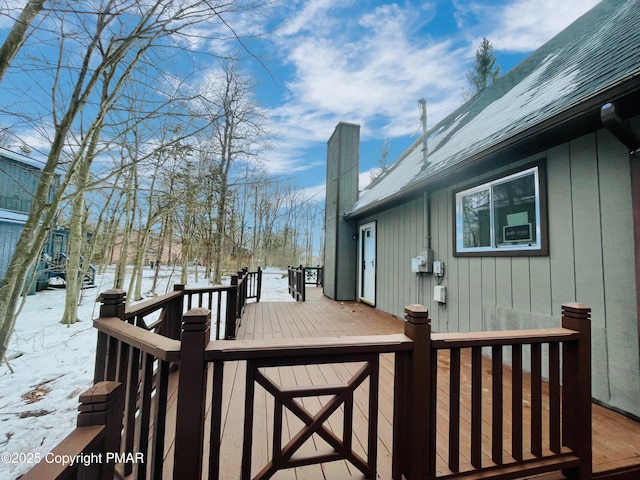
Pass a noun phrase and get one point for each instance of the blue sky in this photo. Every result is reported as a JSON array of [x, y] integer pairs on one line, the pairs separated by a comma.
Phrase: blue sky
[[368, 62], [359, 61]]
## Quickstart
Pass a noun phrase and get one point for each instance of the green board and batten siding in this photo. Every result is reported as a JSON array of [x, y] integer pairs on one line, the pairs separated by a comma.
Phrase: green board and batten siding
[[590, 225]]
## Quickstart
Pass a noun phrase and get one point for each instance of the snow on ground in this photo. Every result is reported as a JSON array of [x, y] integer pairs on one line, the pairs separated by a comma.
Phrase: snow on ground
[[38, 402]]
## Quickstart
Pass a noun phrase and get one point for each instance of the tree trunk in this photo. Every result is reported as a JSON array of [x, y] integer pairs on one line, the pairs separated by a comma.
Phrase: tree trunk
[[18, 33], [76, 241], [160, 251], [121, 264]]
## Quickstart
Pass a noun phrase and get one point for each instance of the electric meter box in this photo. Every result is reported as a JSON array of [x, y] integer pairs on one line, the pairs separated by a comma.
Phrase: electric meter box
[[423, 263]]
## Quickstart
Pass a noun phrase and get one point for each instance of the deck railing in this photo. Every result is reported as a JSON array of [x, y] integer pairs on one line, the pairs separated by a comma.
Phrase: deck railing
[[567, 416], [314, 275], [300, 277], [415, 400], [161, 315], [297, 284], [140, 360]]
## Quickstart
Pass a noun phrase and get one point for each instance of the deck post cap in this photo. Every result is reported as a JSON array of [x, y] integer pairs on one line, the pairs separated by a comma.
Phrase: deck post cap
[[197, 315], [114, 293], [576, 306], [417, 313]]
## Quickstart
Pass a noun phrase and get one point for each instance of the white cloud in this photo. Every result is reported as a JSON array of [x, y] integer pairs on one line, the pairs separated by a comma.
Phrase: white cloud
[[311, 16], [318, 193], [10, 11], [368, 67], [521, 25]]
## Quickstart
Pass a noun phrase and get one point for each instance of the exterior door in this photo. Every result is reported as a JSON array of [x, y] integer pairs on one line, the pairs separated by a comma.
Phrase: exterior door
[[367, 260]]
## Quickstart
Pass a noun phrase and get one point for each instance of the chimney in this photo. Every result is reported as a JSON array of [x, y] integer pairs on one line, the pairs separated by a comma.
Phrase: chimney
[[340, 254]]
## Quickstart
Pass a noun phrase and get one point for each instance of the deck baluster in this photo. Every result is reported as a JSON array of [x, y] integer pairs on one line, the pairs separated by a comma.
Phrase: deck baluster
[[536, 399], [516, 402], [454, 410], [497, 405], [232, 312], [554, 398], [476, 407]]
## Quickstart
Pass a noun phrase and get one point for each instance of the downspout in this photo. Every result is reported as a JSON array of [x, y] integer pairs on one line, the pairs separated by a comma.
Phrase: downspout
[[426, 239], [426, 243], [625, 134]]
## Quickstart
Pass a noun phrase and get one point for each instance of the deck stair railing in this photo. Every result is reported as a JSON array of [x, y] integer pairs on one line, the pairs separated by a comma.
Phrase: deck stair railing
[[129, 352], [97, 432], [138, 346], [559, 436]]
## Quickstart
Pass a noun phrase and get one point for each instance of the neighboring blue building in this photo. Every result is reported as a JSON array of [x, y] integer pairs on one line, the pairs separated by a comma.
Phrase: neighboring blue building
[[19, 177]]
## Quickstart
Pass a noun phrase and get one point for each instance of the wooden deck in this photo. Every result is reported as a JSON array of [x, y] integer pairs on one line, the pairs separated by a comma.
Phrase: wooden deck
[[616, 439]]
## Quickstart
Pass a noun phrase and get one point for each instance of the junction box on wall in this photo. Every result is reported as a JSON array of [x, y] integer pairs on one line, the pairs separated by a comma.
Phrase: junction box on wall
[[439, 291]]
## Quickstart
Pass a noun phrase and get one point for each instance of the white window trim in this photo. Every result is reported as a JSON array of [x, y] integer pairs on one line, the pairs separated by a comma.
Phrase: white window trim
[[459, 233]]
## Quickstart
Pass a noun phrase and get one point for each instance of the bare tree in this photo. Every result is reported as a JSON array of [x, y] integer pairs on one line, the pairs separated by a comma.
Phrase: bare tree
[[239, 135], [106, 37]]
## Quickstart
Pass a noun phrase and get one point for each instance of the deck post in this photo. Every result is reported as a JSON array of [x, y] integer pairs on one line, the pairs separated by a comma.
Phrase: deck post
[[259, 284], [174, 312], [576, 389], [301, 285], [103, 404], [190, 412], [232, 306], [419, 443], [113, 305], [242, 275]]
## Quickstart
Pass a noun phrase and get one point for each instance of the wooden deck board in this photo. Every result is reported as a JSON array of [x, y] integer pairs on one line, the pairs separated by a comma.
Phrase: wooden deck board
[[616, 439]]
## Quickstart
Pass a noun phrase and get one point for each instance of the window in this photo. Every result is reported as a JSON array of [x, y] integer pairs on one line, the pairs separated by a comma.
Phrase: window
[[505, 216]]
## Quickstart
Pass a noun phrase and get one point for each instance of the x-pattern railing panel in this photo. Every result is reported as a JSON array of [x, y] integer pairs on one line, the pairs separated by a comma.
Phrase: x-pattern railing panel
[[341, 394]]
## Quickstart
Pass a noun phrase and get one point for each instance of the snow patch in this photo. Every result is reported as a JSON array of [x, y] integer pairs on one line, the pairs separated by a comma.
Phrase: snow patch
[[53, 364]]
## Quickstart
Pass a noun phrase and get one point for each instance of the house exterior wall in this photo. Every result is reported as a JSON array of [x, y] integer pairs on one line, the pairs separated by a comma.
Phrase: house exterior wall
[[591, 260], [18, 181], [9, 235], [19, 177]]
